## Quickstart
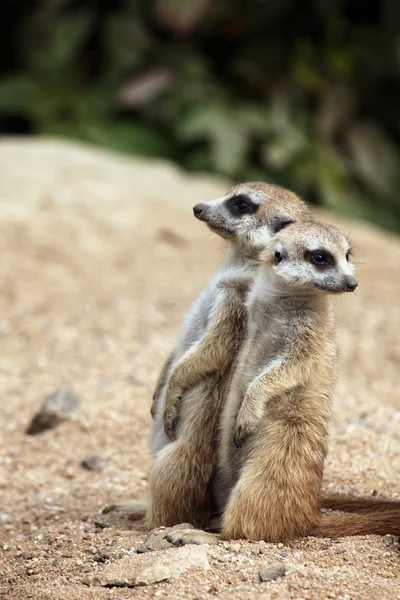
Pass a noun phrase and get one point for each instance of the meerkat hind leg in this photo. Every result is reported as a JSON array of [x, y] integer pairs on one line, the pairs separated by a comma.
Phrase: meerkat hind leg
[[191, 536], [134, 509]]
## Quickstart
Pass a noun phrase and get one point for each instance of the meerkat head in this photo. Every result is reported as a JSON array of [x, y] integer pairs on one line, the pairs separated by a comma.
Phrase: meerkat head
[[251, 213], [312, 255]]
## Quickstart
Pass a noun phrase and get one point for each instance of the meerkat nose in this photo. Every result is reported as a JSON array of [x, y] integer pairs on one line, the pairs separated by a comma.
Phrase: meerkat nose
[[350, 284], [198, 209]]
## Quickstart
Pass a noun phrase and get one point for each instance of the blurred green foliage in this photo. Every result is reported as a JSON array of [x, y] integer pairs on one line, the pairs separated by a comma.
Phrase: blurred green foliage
[[305, 94]]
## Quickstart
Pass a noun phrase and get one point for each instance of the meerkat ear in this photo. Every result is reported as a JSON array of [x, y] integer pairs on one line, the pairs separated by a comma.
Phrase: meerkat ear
[[274, 253]]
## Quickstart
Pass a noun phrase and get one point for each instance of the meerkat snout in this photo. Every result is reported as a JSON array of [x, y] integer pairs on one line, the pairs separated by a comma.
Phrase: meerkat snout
[[350, 283], [198, 209]]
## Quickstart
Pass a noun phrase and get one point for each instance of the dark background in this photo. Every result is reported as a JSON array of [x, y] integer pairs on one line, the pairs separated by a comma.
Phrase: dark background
[[302, 93]]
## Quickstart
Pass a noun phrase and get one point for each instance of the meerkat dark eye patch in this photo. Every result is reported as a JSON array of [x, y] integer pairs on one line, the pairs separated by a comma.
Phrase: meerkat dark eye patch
[[320, 258], [278, 258], [240, 205]]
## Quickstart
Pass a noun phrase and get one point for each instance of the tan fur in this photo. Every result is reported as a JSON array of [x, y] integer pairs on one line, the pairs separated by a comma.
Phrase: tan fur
[[347, 503], [216, 350], [161, 381]]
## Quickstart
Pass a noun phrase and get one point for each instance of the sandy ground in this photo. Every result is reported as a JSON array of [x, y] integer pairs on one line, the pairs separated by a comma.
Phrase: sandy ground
[[100, 259]]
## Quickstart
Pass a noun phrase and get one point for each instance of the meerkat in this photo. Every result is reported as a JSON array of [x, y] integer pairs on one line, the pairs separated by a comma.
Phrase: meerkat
[[275, 420], [199, 368], [247, 217]]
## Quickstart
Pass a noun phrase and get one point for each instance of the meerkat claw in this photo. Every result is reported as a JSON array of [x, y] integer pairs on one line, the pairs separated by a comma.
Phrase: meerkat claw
[[174, 541], [240, 438], [170, 426]]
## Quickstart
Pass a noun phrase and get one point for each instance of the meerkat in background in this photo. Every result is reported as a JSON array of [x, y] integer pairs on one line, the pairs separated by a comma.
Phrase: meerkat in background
[[275, 419], [198, 370], [247, 217]]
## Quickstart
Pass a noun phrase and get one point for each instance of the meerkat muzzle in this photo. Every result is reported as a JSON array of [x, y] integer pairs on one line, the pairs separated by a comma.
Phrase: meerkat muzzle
[[350, 284]]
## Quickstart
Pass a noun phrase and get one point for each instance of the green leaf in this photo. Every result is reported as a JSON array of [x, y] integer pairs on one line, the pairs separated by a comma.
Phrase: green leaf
[[17, 94], [226, 133], [127, 137], [63, 43]]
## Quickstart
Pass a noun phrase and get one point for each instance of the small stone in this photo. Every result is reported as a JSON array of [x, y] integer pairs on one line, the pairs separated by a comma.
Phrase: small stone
[[93, 549], [236, 547], [56, 408], [27, 556], [271, 573], [101, 558], [93, 463], [340, 551], [104, 524]]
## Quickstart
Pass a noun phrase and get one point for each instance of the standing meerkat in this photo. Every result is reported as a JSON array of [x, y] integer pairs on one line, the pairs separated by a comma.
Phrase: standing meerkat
[[247, 217], [195, 377], [275, 420]]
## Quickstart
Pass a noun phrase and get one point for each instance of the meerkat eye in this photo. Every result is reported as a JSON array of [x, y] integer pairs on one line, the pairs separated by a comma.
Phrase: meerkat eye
[[277, 257], [320, 258], [241, 205], [281, 224]]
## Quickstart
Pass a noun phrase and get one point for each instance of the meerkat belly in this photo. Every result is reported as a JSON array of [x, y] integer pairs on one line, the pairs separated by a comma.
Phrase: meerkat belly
[[261, 350]]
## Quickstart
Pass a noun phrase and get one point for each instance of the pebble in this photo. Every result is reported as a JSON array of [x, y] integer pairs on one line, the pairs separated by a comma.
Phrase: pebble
[[56, 408], [93, 463], [271, 573]]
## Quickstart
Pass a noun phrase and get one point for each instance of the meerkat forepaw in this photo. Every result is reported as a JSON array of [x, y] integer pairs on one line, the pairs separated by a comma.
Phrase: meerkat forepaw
[[240, 436], [170, 423], [190, 536]]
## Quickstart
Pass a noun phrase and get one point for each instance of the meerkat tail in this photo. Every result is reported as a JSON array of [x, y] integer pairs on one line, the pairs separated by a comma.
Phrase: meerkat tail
[[378, 523], [352, 504]]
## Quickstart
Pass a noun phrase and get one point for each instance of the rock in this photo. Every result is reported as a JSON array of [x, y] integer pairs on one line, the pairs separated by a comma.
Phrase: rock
[[93, 463], [145, 569], [56, 408], [152, 542], [271, 573]]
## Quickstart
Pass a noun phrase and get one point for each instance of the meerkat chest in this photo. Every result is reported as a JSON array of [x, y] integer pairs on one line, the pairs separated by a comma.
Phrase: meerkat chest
[[266, 342]]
